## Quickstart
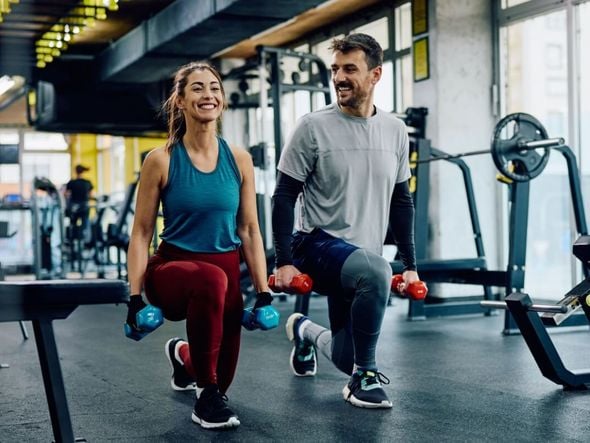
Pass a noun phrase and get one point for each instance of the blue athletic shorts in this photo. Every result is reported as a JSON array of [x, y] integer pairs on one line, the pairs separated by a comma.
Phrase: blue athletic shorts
[[321, 256]]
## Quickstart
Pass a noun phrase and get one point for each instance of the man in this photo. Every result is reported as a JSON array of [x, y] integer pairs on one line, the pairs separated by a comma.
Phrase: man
[[348, 165], [78, 194]]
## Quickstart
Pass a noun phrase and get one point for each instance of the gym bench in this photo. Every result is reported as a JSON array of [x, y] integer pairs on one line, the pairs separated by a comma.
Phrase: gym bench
[[43, 301]]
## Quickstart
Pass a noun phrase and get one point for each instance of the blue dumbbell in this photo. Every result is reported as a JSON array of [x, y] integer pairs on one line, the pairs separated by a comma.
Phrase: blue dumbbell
[[147, 320], [264, 318]]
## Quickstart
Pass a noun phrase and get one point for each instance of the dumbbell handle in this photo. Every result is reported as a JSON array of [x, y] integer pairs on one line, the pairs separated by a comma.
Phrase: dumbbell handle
[[300, 284], [264, 318], [148, 319], [416, 290]]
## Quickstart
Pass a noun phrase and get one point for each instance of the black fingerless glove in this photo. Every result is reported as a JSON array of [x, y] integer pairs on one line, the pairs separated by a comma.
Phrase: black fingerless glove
[[135, 305], [262, 299]]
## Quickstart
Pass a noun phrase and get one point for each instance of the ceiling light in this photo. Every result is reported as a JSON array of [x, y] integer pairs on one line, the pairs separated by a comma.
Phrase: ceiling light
[[77, 19]]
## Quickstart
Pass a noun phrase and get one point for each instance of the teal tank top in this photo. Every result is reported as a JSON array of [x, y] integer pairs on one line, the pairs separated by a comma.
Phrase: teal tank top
[[200, 208]]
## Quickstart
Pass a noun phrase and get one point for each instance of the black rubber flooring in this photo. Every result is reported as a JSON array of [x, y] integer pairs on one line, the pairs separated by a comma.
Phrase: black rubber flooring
[[452, 380]]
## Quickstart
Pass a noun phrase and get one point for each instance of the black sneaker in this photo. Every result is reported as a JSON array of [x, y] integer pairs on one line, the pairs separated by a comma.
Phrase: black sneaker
[[303, 356], [181, 380], [211, 410], [364, 390]]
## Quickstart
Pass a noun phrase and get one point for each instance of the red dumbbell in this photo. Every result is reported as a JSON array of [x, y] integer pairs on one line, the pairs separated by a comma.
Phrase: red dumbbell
[[300, 284], [416, 290]]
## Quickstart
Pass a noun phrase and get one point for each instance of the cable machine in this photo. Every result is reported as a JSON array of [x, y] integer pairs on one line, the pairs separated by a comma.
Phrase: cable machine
[[263, 84]]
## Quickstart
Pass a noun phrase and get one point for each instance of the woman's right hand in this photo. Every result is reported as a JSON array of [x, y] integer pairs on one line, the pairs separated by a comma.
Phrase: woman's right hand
[[135, 305]]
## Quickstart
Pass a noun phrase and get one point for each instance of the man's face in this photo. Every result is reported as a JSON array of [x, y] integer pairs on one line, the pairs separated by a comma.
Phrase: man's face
[[353, 80]]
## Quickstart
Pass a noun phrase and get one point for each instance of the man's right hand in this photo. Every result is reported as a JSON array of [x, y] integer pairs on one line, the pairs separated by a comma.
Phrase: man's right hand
[[284, 275]]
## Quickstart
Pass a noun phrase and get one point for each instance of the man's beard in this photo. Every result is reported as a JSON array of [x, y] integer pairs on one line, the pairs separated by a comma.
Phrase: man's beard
[[354, 99]]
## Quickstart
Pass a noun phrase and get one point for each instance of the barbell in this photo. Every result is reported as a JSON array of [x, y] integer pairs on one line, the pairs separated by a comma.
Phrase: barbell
[[557, 309], [520, 154]]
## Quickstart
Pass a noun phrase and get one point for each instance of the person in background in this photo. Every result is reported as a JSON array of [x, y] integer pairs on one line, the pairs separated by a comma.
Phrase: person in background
[[348, 165], [207, 193], [78, 193]]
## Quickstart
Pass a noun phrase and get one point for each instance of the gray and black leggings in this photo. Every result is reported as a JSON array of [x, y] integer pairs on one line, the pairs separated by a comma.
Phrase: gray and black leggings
[[357, 283]]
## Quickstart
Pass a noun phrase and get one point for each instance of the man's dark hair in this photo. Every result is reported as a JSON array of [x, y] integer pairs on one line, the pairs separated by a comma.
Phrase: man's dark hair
[[364, 42]]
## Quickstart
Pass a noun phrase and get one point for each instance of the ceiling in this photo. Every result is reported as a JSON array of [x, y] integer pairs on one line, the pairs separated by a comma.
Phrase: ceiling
[[113, 75], [30, 19]]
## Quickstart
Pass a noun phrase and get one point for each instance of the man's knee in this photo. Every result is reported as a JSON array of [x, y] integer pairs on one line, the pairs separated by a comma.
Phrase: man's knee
[[369, 270], [379, 269]]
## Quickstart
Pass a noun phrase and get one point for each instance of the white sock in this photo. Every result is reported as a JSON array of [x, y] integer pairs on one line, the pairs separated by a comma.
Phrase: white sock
[[301, 329], [199, 391]]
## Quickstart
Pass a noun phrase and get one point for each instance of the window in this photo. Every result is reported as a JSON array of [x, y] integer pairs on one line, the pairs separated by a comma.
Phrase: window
[[378, 30], [556, 87], [510, 3], [404, 83], [555, 124], [403, 27], [554, 56], [45, 141], [54, 166], [554, 22], [383, 95], [530, 87], [9, 173]]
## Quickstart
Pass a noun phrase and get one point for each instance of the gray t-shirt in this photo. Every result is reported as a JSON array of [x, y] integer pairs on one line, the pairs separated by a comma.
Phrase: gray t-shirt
[[349, 166]]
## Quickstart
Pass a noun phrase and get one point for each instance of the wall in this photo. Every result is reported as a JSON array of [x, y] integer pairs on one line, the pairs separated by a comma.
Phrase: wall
[[458, 96]]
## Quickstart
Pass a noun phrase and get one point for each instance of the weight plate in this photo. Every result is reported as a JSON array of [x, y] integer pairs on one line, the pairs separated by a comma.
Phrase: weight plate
[[509, 152]]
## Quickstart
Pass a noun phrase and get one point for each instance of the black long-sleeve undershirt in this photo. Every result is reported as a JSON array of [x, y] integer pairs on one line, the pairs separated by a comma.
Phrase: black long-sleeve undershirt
[[283, 205], [401, 223], [401, 220]]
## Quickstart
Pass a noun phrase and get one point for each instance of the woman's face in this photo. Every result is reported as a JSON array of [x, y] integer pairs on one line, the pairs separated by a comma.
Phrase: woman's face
[[203, 97]]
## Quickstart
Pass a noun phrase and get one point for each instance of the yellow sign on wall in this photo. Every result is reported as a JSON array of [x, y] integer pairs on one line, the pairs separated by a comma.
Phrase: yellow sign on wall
[[419, 17], [421, 59]]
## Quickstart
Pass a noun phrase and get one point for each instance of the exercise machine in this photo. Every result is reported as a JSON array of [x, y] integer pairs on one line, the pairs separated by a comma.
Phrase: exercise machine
[[89, 245], [118, 232], [439, 270], [533, 326], [520, 150], [47, 209]]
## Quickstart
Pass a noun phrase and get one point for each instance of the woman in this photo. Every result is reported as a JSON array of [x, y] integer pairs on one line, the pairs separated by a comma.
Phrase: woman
[[208, 200]]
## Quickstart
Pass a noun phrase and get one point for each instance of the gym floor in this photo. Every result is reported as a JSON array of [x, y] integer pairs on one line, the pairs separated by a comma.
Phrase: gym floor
[[452, 379]]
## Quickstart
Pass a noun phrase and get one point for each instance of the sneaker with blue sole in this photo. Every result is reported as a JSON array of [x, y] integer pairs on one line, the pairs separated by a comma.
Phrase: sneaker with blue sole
[[303, 359], [364, 390]]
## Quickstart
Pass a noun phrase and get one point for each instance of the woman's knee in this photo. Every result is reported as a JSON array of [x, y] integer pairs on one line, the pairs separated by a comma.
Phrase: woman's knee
[[211, 280], [185, 280]]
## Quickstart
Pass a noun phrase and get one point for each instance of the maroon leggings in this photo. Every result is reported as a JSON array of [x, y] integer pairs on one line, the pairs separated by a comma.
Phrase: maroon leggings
[[204, 289]]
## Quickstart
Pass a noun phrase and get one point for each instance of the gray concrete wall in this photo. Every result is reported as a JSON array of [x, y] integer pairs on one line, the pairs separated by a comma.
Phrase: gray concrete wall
[[458, 96]]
